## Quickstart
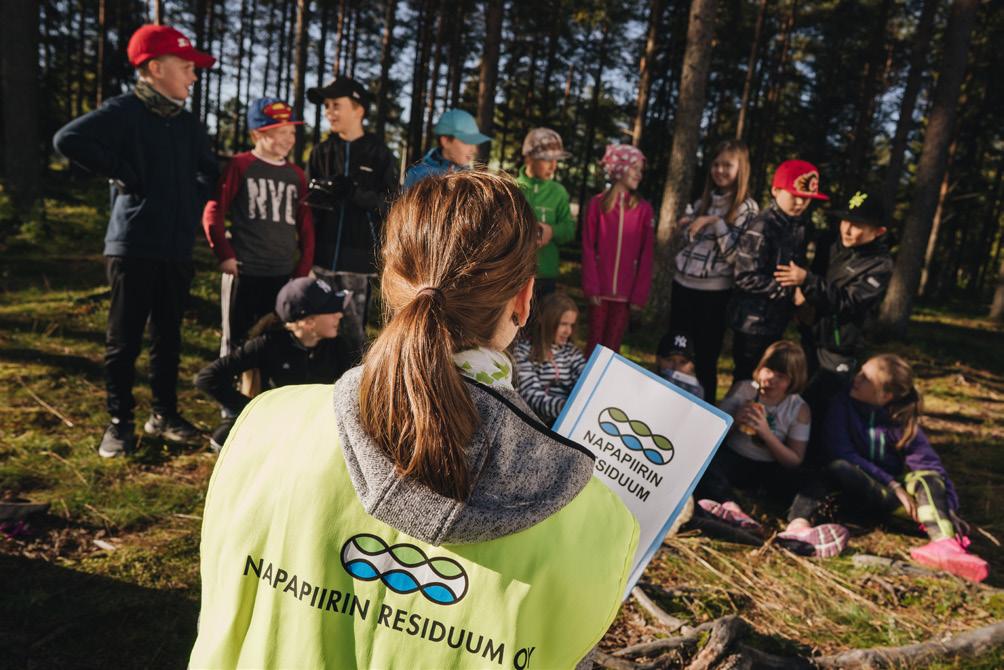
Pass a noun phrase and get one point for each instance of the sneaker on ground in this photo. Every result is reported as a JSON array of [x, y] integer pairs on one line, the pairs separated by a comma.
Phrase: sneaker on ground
[[220, 433], [731, 513], [119, 439], [822, 541], [173, 428], [948, 554]]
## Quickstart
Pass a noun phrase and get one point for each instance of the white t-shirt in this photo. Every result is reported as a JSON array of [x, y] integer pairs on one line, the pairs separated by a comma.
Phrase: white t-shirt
[[782, 419]]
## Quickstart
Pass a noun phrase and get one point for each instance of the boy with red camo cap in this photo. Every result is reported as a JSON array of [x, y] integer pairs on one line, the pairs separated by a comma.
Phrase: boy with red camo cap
[[156, 155], [761, 306], [272, 234]]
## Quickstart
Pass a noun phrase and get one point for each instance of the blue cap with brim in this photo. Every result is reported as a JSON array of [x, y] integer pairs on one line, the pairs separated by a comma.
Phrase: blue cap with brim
[[458, 123]]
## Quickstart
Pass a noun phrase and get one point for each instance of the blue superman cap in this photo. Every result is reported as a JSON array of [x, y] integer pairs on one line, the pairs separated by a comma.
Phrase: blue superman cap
[[265, 113], [458, 123]]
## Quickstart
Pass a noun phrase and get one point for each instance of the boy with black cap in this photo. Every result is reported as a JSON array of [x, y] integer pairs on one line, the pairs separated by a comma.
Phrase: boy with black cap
[[839, 294], [156, 155], [457, 140], [298, 344], [674, 361], [761, 307], [352, 178], [272, 236]]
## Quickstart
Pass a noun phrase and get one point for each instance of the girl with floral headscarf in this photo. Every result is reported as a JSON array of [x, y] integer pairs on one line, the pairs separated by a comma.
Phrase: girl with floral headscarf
[[617, 247]]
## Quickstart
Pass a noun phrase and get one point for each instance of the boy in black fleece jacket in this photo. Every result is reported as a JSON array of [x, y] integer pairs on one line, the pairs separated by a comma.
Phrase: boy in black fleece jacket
[[837, 296], [157, 156]]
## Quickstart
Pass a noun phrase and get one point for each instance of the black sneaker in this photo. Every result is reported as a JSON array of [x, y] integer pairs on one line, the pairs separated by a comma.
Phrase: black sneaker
[[119, 439], [220, 433], [173, 428]]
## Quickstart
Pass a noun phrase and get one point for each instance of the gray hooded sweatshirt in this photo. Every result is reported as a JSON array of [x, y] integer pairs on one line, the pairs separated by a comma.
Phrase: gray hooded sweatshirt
[[524, 473]]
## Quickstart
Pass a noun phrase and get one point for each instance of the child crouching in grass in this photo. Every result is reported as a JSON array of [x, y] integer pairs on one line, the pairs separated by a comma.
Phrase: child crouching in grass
[[765, 449], [882, 460]]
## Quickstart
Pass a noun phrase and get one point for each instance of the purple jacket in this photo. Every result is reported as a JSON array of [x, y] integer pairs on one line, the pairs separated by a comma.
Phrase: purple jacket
[[864, 435], [617, 249]]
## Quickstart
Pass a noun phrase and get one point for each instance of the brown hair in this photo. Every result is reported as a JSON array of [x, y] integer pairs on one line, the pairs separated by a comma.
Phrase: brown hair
[[906, 406], [742, 152], [788, 358], [552, 308], [457, 250]]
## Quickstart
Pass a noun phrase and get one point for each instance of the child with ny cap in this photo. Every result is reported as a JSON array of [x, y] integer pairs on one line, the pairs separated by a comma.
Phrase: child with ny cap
[[271, 237], [457, 140], [674, 360], [295, 344], [761, 306], [156, 155]]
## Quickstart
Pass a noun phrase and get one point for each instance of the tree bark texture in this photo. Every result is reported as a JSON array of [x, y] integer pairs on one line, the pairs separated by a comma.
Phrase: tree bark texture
[[386, 54], [898, 303], [489, 73], [19, 70], [655, 11], [300, 73], [751, 66]]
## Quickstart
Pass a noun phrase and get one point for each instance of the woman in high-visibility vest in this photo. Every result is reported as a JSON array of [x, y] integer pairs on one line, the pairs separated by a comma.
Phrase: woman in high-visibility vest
[[416, 514]]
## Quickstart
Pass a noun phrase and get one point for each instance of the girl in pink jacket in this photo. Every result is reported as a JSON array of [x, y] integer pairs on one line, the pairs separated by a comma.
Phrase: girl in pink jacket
[[617, 247]]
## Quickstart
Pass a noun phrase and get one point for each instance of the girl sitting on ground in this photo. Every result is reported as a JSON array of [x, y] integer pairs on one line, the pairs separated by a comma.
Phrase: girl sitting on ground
[[882, 460], [765, 449], [547, 363], [296, 344]]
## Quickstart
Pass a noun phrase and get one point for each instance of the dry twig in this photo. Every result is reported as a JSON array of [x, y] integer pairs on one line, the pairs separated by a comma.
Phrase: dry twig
[[55, 412]]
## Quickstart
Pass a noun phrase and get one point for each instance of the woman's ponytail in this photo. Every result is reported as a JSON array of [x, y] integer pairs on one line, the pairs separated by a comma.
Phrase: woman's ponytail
[[457, 250], [906, 406]]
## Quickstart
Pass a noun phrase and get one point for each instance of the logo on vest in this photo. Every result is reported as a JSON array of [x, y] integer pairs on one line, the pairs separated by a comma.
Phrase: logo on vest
[[404, 568], [636, 436]]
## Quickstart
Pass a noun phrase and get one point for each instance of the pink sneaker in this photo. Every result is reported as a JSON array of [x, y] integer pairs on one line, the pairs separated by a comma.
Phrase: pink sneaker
[[822, 541], [731, 513], [949, 554]]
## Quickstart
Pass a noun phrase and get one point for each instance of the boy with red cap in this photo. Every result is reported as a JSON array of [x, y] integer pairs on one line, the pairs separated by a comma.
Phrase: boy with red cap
[[156, 155], [272, 233], [761, 306]]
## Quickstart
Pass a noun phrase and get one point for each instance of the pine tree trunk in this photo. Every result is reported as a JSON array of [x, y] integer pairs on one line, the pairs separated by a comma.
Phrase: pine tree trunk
[[336, 69], [99, 74], [269, 42], [386, 54], [300, 74], [455, 69], [420, 75], [19, 72], [553, 37], [78, 91], [918, 63], [898, 303], [939, 210], [775, 85], [158, 12], [645, 69], [322, 44], [990, 227], [238, 107], [997, 306], [751, 66], [202, 83], [354, 43], [587, 148], [874, 73], [437, 64], [489, 73], [531, 81]]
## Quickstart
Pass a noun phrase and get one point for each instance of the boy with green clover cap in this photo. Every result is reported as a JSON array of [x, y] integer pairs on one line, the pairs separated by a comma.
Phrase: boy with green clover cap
[[839, 294]]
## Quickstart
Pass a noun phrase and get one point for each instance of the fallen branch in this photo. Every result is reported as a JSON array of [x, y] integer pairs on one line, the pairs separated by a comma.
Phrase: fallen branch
[[726, 631], [895, 566], [47, 406], [662, 645], [660, 615], [964, 645]]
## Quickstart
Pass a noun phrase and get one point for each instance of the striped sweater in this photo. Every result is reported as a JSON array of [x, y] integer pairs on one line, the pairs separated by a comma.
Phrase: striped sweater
[[706, 262], [545, 386]]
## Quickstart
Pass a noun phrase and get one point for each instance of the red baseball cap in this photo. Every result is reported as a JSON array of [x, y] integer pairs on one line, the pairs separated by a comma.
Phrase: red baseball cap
[[799, 178], [151, 41]]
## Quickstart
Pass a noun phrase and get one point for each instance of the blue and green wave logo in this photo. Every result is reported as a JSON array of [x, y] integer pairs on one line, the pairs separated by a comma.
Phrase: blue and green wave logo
[[636, 435], [404, 568]]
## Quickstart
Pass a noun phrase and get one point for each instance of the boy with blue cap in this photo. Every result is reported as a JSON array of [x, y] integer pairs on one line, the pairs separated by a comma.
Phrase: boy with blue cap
[[457, 137], [271, 236]]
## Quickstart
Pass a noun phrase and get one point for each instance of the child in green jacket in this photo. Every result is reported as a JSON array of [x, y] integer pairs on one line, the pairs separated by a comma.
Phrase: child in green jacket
[[542, 149]]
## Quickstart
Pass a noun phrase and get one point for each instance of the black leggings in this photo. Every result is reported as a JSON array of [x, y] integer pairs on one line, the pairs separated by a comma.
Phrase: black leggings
[[862, 493], [729, 469], [701, 315]]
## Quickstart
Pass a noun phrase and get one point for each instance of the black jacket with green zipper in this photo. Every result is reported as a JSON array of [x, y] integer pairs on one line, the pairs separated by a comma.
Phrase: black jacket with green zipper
[[855, 283]]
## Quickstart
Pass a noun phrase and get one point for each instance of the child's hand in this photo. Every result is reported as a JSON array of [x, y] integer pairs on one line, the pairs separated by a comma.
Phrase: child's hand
[[229, 267], [905, 499], [754, 415], [799, 297], [790, 275], [546, 233], [699, 223]]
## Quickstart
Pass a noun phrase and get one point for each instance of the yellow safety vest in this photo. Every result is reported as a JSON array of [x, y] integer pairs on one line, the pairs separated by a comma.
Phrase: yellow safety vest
[[296, 574]]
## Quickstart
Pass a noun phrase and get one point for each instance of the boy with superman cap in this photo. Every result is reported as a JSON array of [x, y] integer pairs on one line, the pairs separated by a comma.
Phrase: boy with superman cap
[[761, 307], [156, 155], [271, 237]]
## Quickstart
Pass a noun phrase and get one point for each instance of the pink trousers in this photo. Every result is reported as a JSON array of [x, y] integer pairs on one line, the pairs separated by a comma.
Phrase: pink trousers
[[607, 323]]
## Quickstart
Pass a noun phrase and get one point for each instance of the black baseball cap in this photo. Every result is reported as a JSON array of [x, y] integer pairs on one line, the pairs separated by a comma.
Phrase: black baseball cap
[[340, 87], [307, 296], [675, 343], [867, 207]]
